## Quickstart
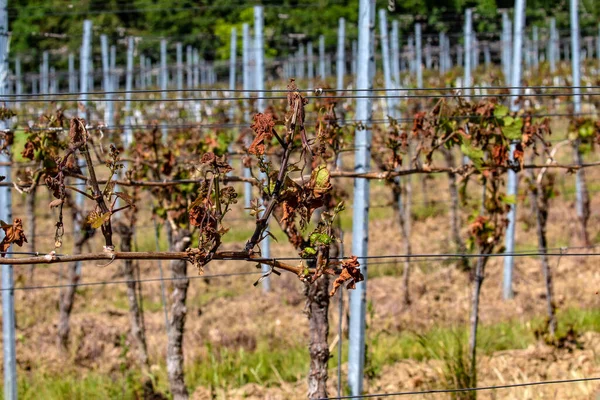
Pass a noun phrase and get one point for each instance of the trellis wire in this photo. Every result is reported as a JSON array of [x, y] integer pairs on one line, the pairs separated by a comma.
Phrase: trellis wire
[[461, 390], [241, 98], [126, 281], [323, 90]]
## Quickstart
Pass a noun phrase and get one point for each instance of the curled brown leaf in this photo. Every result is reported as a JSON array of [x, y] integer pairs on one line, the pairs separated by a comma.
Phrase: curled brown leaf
[[29, 151], [13, 234], [263, 130], [350, 273]]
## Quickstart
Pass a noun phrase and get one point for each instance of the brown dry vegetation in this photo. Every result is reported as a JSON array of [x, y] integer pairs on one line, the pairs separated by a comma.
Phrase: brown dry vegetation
[[229, 313]]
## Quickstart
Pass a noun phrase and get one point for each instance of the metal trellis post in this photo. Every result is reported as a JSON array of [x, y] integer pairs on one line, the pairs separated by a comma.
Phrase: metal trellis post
[[576, 82], [395, 50], [341, 62], [300, 61], [246, 86], [8, 299], [259, 84], [128, 84], [552, 46], [360, 227], [84, 87], [506, 47], [84, 67], [114, 76], [311, 63], [512, 181], [190, 65], [232, 62], [353, 64], [322, 57], [72, 78], [45, 72], [142, 71], [179, 60], [18, 79], [164, 81], [535, 47], [387, 70], [418, 56], [106, 81], [468, 53]]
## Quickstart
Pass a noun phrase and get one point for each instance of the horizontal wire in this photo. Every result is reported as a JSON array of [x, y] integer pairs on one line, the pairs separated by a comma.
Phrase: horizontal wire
[[329, 90], [237, 179], [101, 283], [461, 390], [201, 276], [200, 125], [244, 98], [30, 253], [436, 257]]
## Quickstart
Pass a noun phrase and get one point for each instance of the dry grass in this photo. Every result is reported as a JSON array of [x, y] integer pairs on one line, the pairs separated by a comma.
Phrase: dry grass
[[228, 315]]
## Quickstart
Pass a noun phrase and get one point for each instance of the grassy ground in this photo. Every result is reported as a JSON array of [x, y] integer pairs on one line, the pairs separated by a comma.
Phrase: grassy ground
[[270, 366], [240, 343]]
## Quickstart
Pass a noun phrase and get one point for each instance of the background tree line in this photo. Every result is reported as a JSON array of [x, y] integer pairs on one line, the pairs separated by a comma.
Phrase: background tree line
[[56, 25]]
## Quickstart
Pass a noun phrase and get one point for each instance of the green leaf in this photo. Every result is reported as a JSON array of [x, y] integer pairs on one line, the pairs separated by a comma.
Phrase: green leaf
[[321, 177], [586, 130], [160, 212], [308, 252], [509, 199], [269, 189], [474, 154], [500, 111], [512, 128], [320, 238]]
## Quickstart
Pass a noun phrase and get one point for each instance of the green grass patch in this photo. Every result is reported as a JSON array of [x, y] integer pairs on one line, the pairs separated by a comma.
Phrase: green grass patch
[[18, 146], [271, 363], [237, 367], [90, 386], [376, 213], [422, 211]]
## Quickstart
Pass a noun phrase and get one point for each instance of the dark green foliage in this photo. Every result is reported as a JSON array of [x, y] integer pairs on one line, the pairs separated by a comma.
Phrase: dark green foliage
[[206, 24]]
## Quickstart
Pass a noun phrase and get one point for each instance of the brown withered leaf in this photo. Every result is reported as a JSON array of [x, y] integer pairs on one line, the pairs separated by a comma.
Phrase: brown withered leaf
[[54, 185], [222, 165], [29, 151], [77, 132], [6, 139], [478, 228], [350, 273], [418, 121], [519, 155], [71, 165], [200, 213], [125, 197], [288, 213], [291, 87], [485, 108], [500, 154], [169, 163], [263, 129], [208, 158], [55, 203], [13, 234], [228, 195]]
